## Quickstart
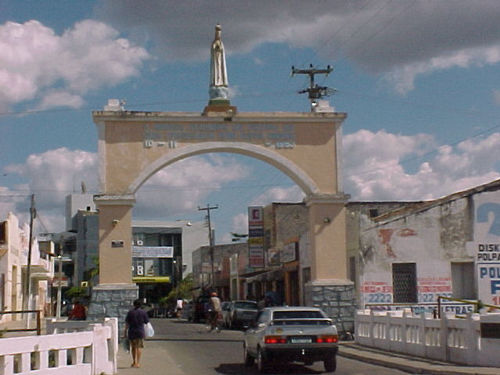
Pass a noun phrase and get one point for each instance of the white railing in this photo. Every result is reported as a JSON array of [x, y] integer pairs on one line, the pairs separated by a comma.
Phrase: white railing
[[450, 339], [91, 349]]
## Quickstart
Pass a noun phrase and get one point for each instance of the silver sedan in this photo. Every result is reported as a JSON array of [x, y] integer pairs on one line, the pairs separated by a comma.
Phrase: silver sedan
[[287, 334]]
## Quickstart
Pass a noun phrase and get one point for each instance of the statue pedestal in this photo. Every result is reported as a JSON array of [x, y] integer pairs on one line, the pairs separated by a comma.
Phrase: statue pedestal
[[336, 298], [219, 107]]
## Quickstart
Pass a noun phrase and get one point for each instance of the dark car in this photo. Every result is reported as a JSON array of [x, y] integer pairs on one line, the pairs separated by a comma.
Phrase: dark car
[[200, 308], [241, 313]]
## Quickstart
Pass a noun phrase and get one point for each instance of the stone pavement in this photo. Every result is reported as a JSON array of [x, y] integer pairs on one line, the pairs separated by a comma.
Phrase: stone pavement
[[158, 361]]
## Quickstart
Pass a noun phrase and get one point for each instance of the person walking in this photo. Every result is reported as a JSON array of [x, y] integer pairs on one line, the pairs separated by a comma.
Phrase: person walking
[[134, 331], [178, 307], [214, 310]]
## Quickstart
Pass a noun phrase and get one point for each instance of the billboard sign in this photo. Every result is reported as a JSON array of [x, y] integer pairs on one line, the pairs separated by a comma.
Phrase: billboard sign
[[256, 237]]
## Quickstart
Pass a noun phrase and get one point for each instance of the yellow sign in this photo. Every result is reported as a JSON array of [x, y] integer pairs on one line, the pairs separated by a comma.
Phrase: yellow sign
[[256, 240], [151, 279]]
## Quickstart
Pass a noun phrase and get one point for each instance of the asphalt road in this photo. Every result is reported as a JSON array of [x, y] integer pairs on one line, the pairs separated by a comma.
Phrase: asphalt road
[[182, 348]]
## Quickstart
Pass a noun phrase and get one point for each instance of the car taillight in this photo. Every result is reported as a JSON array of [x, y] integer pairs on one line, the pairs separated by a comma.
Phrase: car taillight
[[275, 340], [330, 339]]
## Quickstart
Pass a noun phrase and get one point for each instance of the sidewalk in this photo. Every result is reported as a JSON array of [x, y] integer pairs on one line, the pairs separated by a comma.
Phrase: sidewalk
[[413, 365], [154, 361]]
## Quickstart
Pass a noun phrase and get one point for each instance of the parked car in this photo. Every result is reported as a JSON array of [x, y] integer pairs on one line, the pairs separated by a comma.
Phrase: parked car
[[288, 334], [226, 311], [241, 313]]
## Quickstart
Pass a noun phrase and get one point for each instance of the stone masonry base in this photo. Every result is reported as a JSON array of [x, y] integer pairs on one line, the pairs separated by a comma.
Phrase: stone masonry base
[[112, 300], [337, 299]]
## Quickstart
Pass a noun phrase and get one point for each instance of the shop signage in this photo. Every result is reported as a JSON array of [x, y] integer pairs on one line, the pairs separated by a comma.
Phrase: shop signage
[[289, 252], [152, 251]]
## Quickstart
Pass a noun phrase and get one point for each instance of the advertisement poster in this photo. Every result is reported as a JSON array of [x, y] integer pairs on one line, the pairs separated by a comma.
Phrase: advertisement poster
[[486, 246], [256, 237]]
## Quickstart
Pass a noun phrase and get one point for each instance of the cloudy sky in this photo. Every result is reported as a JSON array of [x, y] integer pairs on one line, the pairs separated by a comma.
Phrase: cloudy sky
[[418, 79]]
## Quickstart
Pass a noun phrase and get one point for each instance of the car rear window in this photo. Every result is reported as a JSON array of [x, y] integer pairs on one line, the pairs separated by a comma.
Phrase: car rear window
[[297, 315], [246, 305]]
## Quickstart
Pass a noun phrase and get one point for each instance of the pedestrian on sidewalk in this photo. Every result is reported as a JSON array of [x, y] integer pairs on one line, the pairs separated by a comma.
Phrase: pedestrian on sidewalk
[[214, 310], [134, 331]]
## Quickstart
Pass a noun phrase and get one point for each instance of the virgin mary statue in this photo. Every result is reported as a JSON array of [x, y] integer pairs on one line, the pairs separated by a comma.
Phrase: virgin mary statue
[[218, 73]]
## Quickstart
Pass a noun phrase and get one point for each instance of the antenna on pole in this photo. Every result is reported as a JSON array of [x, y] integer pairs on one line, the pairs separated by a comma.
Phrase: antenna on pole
[[314, 91]]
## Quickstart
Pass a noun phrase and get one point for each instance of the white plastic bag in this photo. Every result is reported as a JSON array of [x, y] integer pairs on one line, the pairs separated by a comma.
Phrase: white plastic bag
[[148, 329]]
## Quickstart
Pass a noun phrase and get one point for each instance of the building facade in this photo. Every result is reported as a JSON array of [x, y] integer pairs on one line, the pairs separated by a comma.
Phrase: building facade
[[449, 247], [14, 250]]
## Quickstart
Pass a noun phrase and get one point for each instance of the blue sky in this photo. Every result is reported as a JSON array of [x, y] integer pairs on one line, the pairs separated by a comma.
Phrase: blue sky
[[418, 79]]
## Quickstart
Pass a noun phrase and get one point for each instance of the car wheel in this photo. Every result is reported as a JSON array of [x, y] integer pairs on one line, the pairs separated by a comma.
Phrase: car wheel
[[249, 360], [261, 361], [330, 364]]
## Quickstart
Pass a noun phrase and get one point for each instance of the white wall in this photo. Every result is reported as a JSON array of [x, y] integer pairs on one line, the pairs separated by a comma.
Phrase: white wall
[[432, 239]]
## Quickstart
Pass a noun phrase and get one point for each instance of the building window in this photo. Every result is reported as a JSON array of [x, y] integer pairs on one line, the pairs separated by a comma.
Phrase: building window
[[373, 212], [404, 282], [462, 280]]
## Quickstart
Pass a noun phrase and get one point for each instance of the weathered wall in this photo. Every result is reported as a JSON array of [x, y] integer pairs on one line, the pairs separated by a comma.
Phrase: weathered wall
[[431, 238]]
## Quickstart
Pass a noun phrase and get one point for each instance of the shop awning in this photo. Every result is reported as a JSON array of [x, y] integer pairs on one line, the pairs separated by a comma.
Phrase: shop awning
[[151, 279], [266, 276]]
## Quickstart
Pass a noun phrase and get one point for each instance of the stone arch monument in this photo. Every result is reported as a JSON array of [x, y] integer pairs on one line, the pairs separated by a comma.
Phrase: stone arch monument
[[133, 145]]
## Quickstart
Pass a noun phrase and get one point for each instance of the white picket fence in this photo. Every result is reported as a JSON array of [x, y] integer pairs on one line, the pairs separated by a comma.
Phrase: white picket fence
[[450, 339], [85, 348]]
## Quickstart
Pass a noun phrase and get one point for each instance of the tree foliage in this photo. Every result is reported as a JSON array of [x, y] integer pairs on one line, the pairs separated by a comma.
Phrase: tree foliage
[[182, 290]]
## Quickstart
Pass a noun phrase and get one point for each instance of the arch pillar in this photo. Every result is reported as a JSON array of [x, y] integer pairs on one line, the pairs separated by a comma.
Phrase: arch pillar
[[115, 293], [329, 287], [115, 238]]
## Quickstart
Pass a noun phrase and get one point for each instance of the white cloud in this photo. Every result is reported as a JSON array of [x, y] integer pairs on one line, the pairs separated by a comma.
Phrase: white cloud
[[279, 194], [239, 225], [60, 99], [374, 173], [51, 176], [9, 200], [34, 60], [403, 78], [181, 187]]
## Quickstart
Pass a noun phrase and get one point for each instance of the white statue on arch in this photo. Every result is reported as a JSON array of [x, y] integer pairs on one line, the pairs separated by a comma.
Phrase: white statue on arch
[[218, 73]]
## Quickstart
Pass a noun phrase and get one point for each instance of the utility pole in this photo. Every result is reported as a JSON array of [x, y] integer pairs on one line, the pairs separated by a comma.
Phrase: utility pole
[[314, 91], [60, 275], [27, 295], [210, 238]]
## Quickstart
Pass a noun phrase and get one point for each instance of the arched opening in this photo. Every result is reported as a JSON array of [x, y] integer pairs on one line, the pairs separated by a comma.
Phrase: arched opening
[[167, 211], [285, 165]]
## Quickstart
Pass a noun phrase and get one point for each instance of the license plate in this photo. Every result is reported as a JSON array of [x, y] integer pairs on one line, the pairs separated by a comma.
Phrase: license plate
[[300, 340]]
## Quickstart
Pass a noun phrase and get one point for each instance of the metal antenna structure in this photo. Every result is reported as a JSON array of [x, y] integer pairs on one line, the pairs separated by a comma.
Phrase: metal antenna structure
[[314, 91]]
